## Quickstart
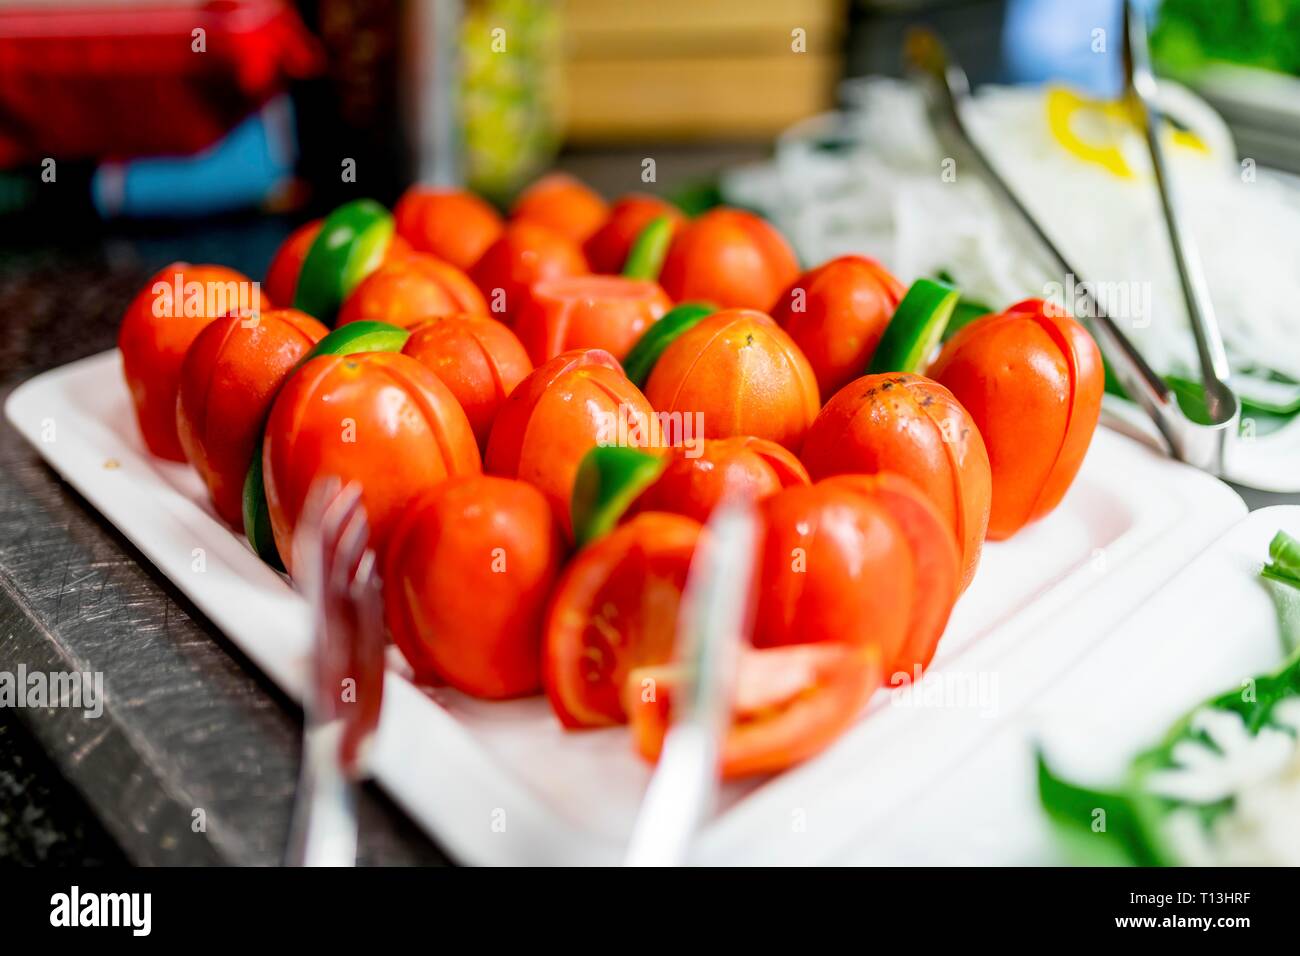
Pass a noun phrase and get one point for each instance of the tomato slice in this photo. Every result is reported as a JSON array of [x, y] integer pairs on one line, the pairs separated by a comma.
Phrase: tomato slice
[[789, 704], [615, 609]]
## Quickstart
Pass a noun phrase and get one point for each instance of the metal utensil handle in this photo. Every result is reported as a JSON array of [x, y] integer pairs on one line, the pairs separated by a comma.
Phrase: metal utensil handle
[[1215, 372], [334, 567], [1199, 445], [715, 610], [324, 831]]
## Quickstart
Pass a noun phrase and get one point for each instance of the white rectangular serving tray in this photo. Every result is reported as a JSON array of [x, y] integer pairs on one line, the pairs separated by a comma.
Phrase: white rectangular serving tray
[[502, 783], [1206, 631]]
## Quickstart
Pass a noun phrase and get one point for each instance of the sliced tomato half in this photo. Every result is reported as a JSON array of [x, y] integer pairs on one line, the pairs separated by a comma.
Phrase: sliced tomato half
[[615, 609], [789, 703]]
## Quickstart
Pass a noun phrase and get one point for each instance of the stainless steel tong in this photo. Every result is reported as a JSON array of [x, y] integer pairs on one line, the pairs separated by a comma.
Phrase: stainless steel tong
[[1205, 445], [335, 569], [711, 625]]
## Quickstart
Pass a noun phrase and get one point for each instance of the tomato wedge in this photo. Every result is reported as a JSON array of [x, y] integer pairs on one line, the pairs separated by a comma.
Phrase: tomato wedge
[[789, 703], [615, 609]]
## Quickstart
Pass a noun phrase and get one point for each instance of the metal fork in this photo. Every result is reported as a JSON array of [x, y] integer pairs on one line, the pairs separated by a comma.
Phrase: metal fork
[[1205, 446], [335, 570]]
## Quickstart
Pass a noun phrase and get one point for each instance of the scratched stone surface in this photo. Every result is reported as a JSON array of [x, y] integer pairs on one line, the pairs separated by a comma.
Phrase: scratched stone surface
[[189, 724]]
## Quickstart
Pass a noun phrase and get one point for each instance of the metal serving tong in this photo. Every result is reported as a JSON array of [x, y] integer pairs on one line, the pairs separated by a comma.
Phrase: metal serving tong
[[1203, 445], [712, 623], [336, 572]]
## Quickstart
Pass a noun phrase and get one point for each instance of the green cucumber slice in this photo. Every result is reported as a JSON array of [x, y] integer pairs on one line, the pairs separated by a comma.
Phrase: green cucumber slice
[[916, 328], [257, 516], [641, 360], [350, 245], [645, 259], [367, 253], [610, 477], [364, 336], [346, 340]]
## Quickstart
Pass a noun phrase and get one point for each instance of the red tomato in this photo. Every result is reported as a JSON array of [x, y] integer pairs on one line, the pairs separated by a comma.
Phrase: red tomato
[[836, 314], [615, 609], [159, 325], [913, 426], [468, 571], [560, 202], [378, 418], [281, 281], [607, 248], [731, 258], [936, 561], [742, 374], [525, 253], [790, 703], [454, 225], [1032, 380], [559, 413], [228, 379], [411, 290], [478, 358], [740, 467], [588, 312], [834, 566]]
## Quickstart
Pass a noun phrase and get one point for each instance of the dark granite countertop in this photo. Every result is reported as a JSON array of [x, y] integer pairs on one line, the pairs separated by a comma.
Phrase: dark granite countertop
[[188, 722]]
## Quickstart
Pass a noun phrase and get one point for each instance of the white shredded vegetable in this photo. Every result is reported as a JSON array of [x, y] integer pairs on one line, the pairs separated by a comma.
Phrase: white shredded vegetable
[[1261, 775], [873, 180]]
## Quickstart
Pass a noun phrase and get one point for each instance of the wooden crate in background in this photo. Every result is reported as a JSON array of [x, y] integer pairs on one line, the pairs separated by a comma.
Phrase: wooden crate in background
[[697, 69]]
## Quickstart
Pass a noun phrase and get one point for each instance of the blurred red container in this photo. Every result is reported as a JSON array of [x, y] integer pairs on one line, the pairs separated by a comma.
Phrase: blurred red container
[[87, 81]]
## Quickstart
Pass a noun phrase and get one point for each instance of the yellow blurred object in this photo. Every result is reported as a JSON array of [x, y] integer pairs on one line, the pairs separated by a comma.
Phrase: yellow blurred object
[[510, 58], [682, 69], [1095, 130]]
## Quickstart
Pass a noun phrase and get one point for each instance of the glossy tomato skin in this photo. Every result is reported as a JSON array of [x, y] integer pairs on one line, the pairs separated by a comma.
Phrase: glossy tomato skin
[[228, 379], [468, 571], [607, 248], [556, 415], [742, 373], [411, 290], [731, 258], [697, 479], [834, 566], [561, 203], [380, 419], [790, 704], [477, 358], [913, 426], [451, 224], [588, 312], [615, 609], [157, 330], [836, 314], [936, 562], [281, 281], [526, 252], [1032, 380]]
